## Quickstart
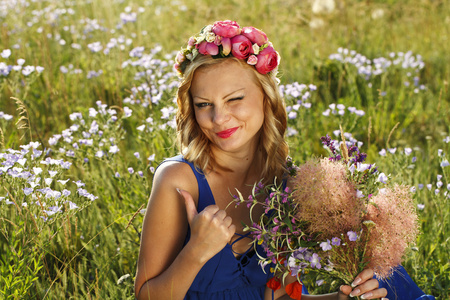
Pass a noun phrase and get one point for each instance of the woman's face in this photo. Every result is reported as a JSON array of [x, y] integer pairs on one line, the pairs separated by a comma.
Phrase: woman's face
[[228, 106]]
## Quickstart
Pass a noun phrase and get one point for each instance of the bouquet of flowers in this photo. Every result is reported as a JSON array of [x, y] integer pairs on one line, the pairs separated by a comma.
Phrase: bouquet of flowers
[[333, 215]]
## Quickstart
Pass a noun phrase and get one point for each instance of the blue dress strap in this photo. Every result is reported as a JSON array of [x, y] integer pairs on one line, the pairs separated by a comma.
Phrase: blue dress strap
[[241, 236]]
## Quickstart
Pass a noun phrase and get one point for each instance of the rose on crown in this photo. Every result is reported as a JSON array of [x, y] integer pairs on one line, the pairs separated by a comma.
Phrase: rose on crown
[[227, 38]]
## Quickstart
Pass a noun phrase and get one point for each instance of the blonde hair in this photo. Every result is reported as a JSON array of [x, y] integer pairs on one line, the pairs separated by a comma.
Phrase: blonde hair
[[195, 146]]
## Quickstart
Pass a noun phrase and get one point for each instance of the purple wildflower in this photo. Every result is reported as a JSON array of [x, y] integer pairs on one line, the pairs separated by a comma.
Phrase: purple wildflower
[[382, 178], [352, 149], [359, 157], [352, 236], [336, 241], [79, 183], [315, 261], [27, 191], [326, 245], [328, 142]]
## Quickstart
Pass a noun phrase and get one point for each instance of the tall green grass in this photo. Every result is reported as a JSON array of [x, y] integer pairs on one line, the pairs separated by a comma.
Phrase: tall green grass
[[83, 255]]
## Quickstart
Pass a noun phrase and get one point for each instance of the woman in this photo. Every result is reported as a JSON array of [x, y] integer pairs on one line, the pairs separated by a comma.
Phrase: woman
[[231, 123]]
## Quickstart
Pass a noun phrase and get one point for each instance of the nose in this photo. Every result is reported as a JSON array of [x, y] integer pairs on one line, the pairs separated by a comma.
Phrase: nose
[[221, 115]]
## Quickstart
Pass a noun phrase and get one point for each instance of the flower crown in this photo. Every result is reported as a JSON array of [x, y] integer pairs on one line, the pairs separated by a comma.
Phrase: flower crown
[[227, 38]]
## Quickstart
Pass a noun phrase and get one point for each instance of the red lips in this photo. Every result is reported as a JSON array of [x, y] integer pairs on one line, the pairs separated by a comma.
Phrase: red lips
[[227, 133]]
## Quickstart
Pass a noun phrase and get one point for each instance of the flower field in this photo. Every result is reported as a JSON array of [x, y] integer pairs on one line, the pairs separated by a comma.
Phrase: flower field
[[87, 113]]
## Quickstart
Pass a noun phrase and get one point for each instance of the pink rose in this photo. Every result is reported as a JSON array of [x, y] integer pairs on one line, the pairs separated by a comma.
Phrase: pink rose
[[226, 28], [241, 47], [267, 60], [226, 46], [180, 57], [191, 41], [206, 48], [252, 60], [255, 35]]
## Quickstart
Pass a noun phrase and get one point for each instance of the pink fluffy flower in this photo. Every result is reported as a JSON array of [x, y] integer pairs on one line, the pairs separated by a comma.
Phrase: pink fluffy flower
[[255, 35], [326, 198], [241, 47], [226, 28], [268, 60], [395, 228]]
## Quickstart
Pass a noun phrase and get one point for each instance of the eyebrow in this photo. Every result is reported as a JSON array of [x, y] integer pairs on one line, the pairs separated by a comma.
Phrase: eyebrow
[[223, 97]]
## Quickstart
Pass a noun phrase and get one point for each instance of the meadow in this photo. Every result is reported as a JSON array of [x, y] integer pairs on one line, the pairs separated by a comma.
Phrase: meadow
[[87, 113]]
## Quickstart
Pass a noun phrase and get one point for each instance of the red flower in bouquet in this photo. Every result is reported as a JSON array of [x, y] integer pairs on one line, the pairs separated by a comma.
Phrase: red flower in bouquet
[[273, 283], [294, 290]]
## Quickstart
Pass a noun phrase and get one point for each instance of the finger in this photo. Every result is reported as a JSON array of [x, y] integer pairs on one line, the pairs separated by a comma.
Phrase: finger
[[369, 289], [212, 209], [191, 209], [375, 294], [344, 290], [369, 285], [220, 215], [362, 277], [232, 230], [228, 221]]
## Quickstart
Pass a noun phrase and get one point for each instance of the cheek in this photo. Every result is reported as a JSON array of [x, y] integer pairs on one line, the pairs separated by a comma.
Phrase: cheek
[[258, 111], [198, 116], [261, 116], [201, 117]]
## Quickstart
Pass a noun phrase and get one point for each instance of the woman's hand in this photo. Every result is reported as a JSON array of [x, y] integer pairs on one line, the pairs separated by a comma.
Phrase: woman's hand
[[211, 229], [365, 286]]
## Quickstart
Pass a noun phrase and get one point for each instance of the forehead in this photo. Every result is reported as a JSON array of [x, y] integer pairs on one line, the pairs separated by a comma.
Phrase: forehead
[[224, 77]]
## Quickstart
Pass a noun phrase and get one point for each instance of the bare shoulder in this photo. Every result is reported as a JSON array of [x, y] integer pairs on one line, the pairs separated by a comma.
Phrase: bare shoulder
[[165, 222], [173, 175]]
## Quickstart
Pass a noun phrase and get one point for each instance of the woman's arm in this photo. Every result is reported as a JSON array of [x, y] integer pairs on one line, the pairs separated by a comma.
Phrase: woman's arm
[[162, 259], [165, 268]]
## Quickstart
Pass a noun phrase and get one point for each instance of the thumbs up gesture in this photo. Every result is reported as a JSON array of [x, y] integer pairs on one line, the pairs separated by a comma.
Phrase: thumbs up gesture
[[211, 229]]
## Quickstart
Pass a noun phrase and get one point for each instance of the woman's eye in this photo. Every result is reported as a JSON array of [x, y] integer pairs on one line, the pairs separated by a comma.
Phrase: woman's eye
[[202, 104], [236, 98]]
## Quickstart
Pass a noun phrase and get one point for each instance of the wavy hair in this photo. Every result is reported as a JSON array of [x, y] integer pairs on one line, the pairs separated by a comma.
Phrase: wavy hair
[[195, 146]]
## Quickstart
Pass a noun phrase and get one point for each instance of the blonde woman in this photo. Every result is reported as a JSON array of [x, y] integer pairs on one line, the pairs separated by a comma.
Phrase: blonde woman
[[231, 123]]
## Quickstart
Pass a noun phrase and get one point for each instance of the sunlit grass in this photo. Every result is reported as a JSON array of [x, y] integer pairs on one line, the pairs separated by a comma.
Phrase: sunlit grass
[[83, 255]]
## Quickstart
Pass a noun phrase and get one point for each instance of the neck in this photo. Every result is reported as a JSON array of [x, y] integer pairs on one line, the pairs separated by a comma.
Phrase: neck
[[242, 166]]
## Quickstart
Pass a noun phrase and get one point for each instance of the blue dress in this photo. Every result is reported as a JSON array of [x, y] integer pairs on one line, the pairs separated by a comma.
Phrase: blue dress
[[226, 277], [401, 287]]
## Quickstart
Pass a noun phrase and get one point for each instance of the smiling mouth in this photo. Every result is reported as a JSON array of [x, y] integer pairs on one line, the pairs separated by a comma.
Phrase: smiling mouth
[[227, 133]]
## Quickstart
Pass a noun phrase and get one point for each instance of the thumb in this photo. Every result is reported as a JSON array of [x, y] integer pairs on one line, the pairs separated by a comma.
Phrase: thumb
[[191, 210], [344, 290]]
